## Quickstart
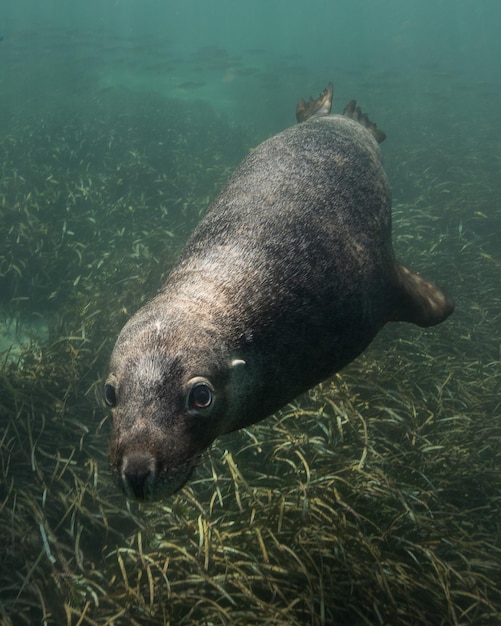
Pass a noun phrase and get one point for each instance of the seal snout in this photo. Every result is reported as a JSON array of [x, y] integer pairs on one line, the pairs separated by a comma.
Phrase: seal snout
[[138, 474]]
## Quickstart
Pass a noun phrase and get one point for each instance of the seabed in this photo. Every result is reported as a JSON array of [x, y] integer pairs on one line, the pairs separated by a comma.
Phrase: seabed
[[373, 500]]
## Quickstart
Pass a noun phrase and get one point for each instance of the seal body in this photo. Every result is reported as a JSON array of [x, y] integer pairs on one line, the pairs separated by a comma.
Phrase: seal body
[[287, 278]]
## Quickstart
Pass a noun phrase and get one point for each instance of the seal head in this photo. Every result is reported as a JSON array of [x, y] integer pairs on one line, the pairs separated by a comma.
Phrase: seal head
[[169, 403]]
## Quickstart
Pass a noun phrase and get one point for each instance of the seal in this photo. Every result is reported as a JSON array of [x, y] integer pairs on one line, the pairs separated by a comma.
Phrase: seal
[[287, 278]]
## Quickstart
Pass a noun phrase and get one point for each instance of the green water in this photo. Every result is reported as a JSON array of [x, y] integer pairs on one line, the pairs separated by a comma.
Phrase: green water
[[374, 499]]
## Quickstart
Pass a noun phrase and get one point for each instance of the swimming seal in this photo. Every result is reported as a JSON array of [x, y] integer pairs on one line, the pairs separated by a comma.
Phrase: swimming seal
[[287, 278]]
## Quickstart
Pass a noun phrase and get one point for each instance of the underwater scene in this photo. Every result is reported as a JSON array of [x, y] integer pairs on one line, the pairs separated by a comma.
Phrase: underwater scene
[[373, 499]]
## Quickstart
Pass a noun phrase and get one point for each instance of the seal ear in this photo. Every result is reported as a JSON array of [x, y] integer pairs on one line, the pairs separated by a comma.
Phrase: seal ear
[[237, 363]]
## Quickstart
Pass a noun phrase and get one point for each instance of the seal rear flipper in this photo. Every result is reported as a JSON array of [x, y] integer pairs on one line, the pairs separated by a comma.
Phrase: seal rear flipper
[[419, 301], [315, 108], [354, 112]]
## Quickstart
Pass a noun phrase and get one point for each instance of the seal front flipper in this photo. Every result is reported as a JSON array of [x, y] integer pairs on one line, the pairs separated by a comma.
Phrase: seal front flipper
[[418, 301]]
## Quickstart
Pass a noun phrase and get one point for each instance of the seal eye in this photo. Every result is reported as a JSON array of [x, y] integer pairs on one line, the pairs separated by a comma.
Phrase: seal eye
[[110, 396], [201, 395]]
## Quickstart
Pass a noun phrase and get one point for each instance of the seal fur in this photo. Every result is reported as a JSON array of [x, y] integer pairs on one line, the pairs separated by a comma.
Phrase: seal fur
[[287, 278]]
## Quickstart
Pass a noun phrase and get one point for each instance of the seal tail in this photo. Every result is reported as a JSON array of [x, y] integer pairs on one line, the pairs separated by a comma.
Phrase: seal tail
[[418, 301], [315, 108], [354, 112]]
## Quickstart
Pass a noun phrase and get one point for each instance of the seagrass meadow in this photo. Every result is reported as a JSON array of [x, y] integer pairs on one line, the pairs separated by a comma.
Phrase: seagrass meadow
[[374, 499]]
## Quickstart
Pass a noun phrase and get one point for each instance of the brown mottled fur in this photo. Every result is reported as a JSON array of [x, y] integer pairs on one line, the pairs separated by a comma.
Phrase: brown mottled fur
[[288, 278]]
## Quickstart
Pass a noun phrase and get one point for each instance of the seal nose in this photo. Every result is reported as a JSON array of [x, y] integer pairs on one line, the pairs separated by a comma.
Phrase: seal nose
[[138, 474]]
